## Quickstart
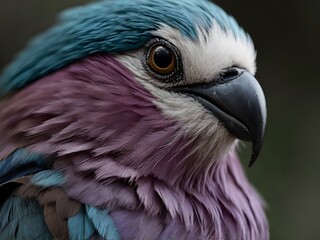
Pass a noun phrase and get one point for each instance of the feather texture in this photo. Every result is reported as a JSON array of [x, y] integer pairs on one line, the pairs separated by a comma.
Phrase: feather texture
[[44, 204], [48, 178], [53, 206], [137, 225], [80, 226], [21, 163], [22, 219], [103, 223]]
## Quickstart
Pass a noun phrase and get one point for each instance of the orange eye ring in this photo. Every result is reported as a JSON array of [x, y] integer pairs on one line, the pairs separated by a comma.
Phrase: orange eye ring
[[162, 60]]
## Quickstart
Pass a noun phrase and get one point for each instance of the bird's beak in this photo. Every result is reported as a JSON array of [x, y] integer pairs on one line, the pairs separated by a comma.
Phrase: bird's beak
[[237, 100]]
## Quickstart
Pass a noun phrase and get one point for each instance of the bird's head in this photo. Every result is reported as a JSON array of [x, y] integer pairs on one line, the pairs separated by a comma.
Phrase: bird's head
[[114, 77]]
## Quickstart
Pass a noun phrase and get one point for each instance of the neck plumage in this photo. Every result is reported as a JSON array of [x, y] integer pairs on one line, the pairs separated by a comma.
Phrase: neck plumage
[[225, 205]]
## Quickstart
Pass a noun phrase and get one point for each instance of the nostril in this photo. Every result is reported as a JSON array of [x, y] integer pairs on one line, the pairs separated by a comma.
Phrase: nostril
[[230, 74]]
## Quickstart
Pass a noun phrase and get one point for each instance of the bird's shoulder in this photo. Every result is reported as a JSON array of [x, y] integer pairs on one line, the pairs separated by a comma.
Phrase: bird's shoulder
[[34, 204]]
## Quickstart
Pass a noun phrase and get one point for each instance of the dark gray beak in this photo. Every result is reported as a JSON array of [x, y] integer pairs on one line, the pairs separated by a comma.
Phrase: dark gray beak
[[237, 100]]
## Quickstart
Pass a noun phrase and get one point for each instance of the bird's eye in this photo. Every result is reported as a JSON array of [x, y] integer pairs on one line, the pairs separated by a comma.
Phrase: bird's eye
[[161, 59]]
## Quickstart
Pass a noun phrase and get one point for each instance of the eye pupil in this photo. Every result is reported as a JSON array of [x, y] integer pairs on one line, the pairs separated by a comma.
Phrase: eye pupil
[[162, 57]]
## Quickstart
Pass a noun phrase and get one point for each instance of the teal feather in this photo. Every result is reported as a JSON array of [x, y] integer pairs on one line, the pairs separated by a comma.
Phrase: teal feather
[[110, 27], [48, 178], [22, 219], [80, 227], [103, 223], [21, 163]]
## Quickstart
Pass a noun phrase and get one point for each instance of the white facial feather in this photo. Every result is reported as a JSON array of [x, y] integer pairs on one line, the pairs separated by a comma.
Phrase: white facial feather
[[213, 51], [202, 61]]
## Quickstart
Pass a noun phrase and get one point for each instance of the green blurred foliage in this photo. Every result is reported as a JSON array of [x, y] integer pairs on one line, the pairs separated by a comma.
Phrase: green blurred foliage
[[287, 36]]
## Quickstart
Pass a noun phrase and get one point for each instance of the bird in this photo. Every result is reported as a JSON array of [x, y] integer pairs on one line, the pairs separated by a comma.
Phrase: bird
[[123, 121]]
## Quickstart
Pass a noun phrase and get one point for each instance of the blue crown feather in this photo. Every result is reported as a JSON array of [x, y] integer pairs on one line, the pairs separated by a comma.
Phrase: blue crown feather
[[109, 26]]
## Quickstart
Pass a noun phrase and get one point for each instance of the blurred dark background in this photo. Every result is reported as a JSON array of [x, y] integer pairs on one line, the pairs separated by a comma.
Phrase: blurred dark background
[[287, 39]]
